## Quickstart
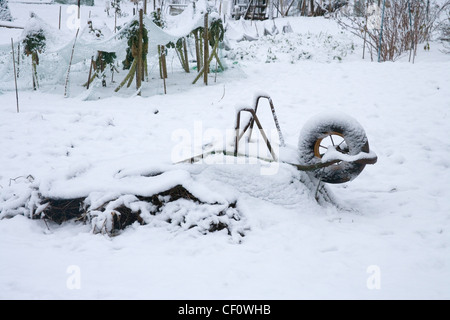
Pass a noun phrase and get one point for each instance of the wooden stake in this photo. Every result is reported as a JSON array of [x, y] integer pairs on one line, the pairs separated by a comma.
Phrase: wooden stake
[[15, 76], [208, 62], [411, 34], [18, 59], [205, 51], [34, 59], [59, 25], [186, 57], [115, 21], [164, 67], [215, 74], [365, 29], [90, 72], [146, 69], [197, 52], [66, 93], [381, 30], [139, 57], [160, 62], [129, 77]]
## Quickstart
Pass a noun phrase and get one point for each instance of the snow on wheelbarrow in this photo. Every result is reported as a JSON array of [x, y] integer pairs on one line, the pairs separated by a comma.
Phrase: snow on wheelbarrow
[[332, 147]]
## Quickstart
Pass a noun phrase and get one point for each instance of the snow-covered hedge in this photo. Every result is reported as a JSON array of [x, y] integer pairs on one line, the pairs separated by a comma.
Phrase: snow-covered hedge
[[292, 48]]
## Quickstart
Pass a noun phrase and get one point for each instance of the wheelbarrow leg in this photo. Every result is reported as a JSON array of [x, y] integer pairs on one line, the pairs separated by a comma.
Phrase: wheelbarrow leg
[[238, 135], [275, 119]]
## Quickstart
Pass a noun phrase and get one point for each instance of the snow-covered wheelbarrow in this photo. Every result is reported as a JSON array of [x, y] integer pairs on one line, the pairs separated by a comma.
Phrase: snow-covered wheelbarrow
[[332, 148]]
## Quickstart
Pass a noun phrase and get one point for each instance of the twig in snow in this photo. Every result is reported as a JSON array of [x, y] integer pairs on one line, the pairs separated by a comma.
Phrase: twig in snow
[[223, 95]]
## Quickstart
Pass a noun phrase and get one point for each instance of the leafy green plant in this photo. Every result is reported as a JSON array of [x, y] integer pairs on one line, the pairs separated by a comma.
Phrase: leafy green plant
[[34, 44], [132, 33]]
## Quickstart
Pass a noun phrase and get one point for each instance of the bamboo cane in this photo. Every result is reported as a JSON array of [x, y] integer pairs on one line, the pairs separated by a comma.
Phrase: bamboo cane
[[164, 61], [132, 73], [160, 62], [70, 63], [197, 51], [128, 76], [164, 67], [381, 31], [34, 59], [90, 72], [186, 57], [139, 69], [145, 71], [15, 76], [205, 51], [365, 29], [200, 46], [216, 45], [18, 60]]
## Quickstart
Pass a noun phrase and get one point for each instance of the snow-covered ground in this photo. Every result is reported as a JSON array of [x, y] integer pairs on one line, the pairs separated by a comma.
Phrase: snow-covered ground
[[386, 236]]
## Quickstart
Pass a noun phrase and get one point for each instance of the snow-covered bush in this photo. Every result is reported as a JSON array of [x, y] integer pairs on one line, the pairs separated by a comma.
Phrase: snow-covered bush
[[292, 48], [103, 59], [5, 13]]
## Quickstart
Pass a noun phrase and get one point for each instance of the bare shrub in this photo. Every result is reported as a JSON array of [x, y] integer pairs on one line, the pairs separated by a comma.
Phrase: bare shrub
[[444, 32], [404, 25]]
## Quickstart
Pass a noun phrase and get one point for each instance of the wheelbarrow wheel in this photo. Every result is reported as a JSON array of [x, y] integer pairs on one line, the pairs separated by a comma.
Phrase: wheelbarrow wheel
[[338, 131]]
